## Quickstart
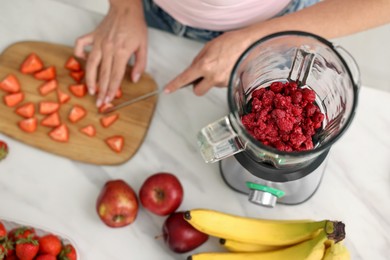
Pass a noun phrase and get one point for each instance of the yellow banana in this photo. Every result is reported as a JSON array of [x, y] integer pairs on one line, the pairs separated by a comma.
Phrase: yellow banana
[[312, 249], [237, 246], [336, 251], [257, 231]]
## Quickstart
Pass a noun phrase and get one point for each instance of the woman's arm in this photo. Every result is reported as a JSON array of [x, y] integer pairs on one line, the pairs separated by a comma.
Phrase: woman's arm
[[329, 19]]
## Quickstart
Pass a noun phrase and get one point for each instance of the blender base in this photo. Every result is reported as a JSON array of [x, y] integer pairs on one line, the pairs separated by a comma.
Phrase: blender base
[[296, 191]]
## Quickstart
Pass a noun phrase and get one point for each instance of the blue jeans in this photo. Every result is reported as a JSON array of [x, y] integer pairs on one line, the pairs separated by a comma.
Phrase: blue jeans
[[159, 19]]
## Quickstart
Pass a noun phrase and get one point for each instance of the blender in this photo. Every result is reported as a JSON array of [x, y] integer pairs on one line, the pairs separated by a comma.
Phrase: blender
[[268, 175]]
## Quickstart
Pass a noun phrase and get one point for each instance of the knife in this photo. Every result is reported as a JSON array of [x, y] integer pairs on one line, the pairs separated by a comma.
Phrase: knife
[[131, 101], [150, 94]]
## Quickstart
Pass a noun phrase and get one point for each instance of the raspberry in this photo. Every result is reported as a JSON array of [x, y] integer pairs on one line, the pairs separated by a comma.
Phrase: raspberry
[[296, 97], [318, 117], [276, 87], [310, 109], [284, 124], [296, 110], [256, 105], [258, 93], [268, 98], [278, 113], [308, 95]]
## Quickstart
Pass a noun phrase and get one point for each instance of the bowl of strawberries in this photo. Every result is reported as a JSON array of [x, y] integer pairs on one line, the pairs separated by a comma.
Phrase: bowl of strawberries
[[21, 241]]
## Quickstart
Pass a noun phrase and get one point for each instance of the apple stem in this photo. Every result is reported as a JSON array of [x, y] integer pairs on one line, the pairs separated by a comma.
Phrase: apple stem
[[159, 236]]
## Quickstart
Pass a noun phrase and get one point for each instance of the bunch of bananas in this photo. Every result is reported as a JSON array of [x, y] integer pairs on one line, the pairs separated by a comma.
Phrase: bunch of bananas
[[262, 239]]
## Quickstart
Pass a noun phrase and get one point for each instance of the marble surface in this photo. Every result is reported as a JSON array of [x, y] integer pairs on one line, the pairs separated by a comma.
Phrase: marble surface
[[42, 189]]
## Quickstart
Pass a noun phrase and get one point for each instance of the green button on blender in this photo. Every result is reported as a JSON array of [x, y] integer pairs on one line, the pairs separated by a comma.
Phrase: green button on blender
[[260, 187]]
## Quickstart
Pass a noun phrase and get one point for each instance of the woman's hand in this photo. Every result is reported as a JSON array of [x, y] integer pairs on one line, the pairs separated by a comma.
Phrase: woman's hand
[[121, 34], [213, 64]]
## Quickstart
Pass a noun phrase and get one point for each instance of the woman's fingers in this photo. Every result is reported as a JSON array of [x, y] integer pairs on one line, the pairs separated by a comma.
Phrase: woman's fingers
[[185, 78], [81, 43], [117, 73], [91, 69], [139, 64], [105, 72]]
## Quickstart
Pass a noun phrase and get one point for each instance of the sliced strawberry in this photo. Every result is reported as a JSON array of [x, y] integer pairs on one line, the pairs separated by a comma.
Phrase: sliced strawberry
[[60, 133], [108, 120], [12, 100], [48, 87], [47, 74], [27, 110], [79, 90], [28, 125], [48, 107], [62, 97], [118, 93], [89, 130], [104, 107], [10, 84], [77, 113], [31, 64], [73, 64], [115, 143], [51, 120], [77, 75]]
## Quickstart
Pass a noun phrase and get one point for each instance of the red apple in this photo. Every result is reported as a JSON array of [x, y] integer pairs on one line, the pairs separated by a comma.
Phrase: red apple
[[180, 236], [161, 193], [117, 204]]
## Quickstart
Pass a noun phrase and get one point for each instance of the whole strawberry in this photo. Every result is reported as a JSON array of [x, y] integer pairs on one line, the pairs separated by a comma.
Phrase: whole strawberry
[[27, 248], [3, 150], [49, 244], [68, 253], [45, 257], [21, 232], [6, 248], [3, 231]]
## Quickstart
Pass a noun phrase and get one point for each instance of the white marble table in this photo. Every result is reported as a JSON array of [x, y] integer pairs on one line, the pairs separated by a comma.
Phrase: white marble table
[[46, 190]]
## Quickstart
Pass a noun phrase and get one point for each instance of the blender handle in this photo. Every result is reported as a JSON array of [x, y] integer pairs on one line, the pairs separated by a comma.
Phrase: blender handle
[[218, 140], [352, 63]]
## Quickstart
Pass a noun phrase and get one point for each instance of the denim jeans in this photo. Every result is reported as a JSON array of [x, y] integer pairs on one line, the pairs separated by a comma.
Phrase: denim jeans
[[159, 19]]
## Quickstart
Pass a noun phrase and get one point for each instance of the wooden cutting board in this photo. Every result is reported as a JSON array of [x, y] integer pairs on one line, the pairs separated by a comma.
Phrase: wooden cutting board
[[132, 124]]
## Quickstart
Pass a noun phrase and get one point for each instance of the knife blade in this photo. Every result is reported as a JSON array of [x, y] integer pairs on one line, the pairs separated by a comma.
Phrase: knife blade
[[132, 101], [150, 94]]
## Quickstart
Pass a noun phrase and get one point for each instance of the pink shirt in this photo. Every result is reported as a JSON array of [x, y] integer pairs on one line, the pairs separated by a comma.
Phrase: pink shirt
[[221, 15]]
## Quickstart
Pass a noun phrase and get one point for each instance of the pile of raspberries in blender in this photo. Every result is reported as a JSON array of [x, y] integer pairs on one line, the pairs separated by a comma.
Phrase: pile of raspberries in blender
[[283, 116]]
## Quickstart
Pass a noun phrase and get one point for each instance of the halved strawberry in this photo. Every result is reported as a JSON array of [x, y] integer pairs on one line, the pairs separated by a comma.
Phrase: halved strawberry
[[77, 75], [73, 64], [28, 125], [12, 100], [60, 133], [31, 64], [108, 120], [115, 143], [77, 113], [48, 87], [27, 110], [46, 74], [104, 107], [62, 97], [79, 90], [10, 84], [89, 130], [48, 107], [51, 120]]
